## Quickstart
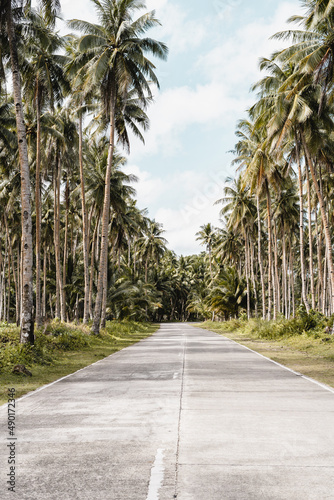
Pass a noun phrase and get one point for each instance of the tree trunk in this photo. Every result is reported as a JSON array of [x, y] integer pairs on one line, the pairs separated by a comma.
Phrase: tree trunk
[[92, 267], [44, 284], [55, 237], [269, 247], [260, 257], [38, 211], [105, 224], [310, 239], [253, 278], [324, 220], [301, 231], [277, 282], [85, 233], [67, 206], [27, 321]]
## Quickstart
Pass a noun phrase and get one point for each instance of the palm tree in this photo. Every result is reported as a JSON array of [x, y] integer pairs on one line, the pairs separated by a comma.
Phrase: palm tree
[[152, 245], [44, 81], [113, 55], [27, 321], [207, 237], [51, 7], [239, 206]]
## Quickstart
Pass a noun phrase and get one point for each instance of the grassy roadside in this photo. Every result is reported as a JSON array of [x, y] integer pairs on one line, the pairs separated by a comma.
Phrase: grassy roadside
[[60, 350], [310, 352]]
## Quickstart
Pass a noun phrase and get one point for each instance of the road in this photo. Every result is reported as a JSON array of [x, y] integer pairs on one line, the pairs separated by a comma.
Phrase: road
[[184, 414]]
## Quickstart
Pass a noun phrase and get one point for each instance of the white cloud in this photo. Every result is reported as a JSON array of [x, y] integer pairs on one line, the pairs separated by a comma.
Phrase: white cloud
[[230, 69], [195, 194], [235, 61], [148, 188], [180, 32], [177, 109]]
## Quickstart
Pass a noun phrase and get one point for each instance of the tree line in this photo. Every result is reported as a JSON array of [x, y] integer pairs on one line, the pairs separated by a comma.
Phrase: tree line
[[274, 254], [68, 212]]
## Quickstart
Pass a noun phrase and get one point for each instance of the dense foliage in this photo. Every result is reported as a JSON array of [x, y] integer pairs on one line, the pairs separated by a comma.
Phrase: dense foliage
[[96, 256]]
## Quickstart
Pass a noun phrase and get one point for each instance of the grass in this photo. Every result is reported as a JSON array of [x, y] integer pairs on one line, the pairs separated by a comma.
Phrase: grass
[[60, 350], [308, 351]]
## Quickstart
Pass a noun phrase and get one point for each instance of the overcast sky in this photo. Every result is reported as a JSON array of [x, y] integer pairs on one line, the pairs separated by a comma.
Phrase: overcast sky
[[214, 51]]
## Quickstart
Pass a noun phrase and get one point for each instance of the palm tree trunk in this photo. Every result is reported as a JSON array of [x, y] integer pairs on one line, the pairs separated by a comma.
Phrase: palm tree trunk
[[259, 249], [301, 231], [55, 236], [11, 263], [285, 276], [253, 279], [44, 284], [310, 240], [292, 283], [18, 260], [61, 285], [92, 266], [38, 212], [104, 301], [27, 321], [277, 282], [67, 203], [319, 263], [269, 247], [324, 220], [85, 232], [247, 274], [105, 224]]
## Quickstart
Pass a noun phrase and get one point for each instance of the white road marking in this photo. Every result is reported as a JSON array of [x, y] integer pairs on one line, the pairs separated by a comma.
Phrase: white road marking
[[157, 476]]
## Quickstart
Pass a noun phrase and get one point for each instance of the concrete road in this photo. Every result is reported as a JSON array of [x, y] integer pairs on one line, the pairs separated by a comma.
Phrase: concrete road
[[185, 414]]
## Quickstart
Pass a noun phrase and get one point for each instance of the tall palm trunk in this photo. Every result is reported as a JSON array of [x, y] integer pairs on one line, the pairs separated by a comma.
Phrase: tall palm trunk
[[324, 220], [44, 284], [38, 211], [105, 224], [60, 287], [27, 321], [259, 249], [285, 279], [301, 230], [253, 279], [92, 266], [277, 281], [67, 206], [319, 263], [309, 209], [247, 273], [85, 232], [269, 247]]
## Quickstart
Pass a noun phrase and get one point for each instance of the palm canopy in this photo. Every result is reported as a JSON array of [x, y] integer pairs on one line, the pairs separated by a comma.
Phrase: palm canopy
[[112, 53]]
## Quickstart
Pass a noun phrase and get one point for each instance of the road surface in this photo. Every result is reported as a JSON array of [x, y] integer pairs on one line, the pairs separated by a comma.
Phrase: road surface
[[184, 414]]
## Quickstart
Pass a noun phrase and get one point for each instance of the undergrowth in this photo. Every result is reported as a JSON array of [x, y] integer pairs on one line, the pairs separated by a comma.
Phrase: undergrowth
[[313, 324], [58, 338]]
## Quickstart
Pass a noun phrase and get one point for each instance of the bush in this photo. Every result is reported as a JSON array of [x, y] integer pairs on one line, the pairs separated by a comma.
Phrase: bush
[[312, 324]]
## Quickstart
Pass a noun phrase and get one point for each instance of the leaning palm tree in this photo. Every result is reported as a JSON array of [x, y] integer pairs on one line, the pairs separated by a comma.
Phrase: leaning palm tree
[[113, 59]]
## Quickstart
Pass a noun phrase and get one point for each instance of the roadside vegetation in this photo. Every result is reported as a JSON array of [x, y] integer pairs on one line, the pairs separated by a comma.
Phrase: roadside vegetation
[[60, 349], [302, 343]]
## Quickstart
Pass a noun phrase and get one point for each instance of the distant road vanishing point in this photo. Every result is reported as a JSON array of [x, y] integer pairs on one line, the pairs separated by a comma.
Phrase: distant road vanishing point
[[184, 414]]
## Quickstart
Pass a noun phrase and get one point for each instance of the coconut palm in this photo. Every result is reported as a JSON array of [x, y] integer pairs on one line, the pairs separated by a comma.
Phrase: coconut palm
[[207, 237], [113, 56], [44, 83], [152, 245]]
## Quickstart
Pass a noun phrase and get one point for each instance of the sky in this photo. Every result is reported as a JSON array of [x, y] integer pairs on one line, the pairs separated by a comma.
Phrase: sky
[[214, 50]]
